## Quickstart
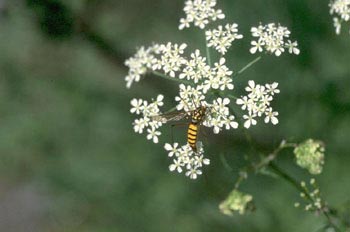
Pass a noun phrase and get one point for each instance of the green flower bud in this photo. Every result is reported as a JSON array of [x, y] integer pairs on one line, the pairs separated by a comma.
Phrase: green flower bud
[[236, 201], [310, 155]]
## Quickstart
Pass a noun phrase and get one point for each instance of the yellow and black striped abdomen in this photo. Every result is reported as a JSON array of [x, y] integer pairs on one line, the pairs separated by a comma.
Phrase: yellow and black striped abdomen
[[192, 136]]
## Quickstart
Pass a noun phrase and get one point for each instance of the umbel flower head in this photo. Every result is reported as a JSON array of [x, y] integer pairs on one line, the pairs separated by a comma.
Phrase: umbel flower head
[[236, 201], [222, 37], [257, 103], [204, 86], [271, 39], [340, 9], [200, 13], [310, 155], [185, 158]]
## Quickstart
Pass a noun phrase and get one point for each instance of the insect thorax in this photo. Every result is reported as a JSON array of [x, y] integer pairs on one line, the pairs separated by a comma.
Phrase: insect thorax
[[197, 115]]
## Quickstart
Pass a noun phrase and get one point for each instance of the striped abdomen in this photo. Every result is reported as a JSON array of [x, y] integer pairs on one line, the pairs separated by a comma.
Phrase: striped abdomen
[[192, 136]]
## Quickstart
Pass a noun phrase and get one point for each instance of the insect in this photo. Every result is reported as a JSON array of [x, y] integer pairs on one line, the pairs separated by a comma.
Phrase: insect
[[196, 116]]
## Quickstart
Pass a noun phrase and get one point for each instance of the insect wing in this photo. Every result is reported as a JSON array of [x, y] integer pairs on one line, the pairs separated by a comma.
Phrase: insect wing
[[169, 117]]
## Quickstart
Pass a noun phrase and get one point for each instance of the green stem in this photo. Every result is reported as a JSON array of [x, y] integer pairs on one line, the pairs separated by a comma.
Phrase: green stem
[[232, 96], [162, 75], [297, 185], [225, 163], [247, 66], [208, 55], [289, 179]]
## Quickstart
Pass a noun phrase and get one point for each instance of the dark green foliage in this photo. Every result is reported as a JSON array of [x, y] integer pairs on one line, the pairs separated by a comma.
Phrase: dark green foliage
[[55, 19], [70, 161]]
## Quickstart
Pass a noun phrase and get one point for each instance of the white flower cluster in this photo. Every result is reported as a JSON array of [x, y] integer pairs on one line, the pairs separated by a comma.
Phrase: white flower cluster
[[202, 84], [142, 107], [185, 158], [219, 116], [257, 103], [341, 11], [221, 38], [271, 39], [200, 12], [191, 97], [170, 60], [166, 57], [138, 65]]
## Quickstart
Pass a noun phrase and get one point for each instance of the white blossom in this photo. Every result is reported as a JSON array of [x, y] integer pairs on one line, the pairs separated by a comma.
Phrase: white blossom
[[203, 84], [137, 106], [193, 173], [293, 47], [177, 165], [185, 158], [138, 64], [271, 38], [258, 103], [221, 38], [142, 107], [171, 148], [171, 59], [340, 9], [153, 134], [195, 68], [200, 13], [220, 77]]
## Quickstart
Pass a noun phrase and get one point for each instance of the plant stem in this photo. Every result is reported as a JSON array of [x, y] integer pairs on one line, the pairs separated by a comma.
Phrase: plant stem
[[232, 96], [208, 54], [247, 66], [162, 75], [255, 168], [297, 185]]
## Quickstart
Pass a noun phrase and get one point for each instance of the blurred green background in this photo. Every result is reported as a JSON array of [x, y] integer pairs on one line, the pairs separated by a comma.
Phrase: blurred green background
[[70, 161]]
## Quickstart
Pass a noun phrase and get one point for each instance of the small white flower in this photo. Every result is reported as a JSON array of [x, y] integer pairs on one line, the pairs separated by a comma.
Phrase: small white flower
[[256, 46], [137, 106], [172, 149], [293, 47], [139, 125], [271, 116], [159, 101], [230, 123], [249, 120], [244, 101], [153, 134], [176, 166], [337, 25], [193, 173], [251, 87], [272, 89]]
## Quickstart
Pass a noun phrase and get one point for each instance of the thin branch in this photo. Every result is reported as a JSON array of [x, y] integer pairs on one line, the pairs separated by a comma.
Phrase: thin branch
[[297, 185], [208, 55], [162, 75], [102, 44], [247, 66], [255, 168]]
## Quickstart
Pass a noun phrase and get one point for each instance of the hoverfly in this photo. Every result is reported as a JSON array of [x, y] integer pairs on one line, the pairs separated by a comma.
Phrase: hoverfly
[[196, 116]]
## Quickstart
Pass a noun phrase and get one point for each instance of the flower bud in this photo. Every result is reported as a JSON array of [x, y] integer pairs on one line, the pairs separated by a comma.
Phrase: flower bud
[[236, 201], [310, 155]]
